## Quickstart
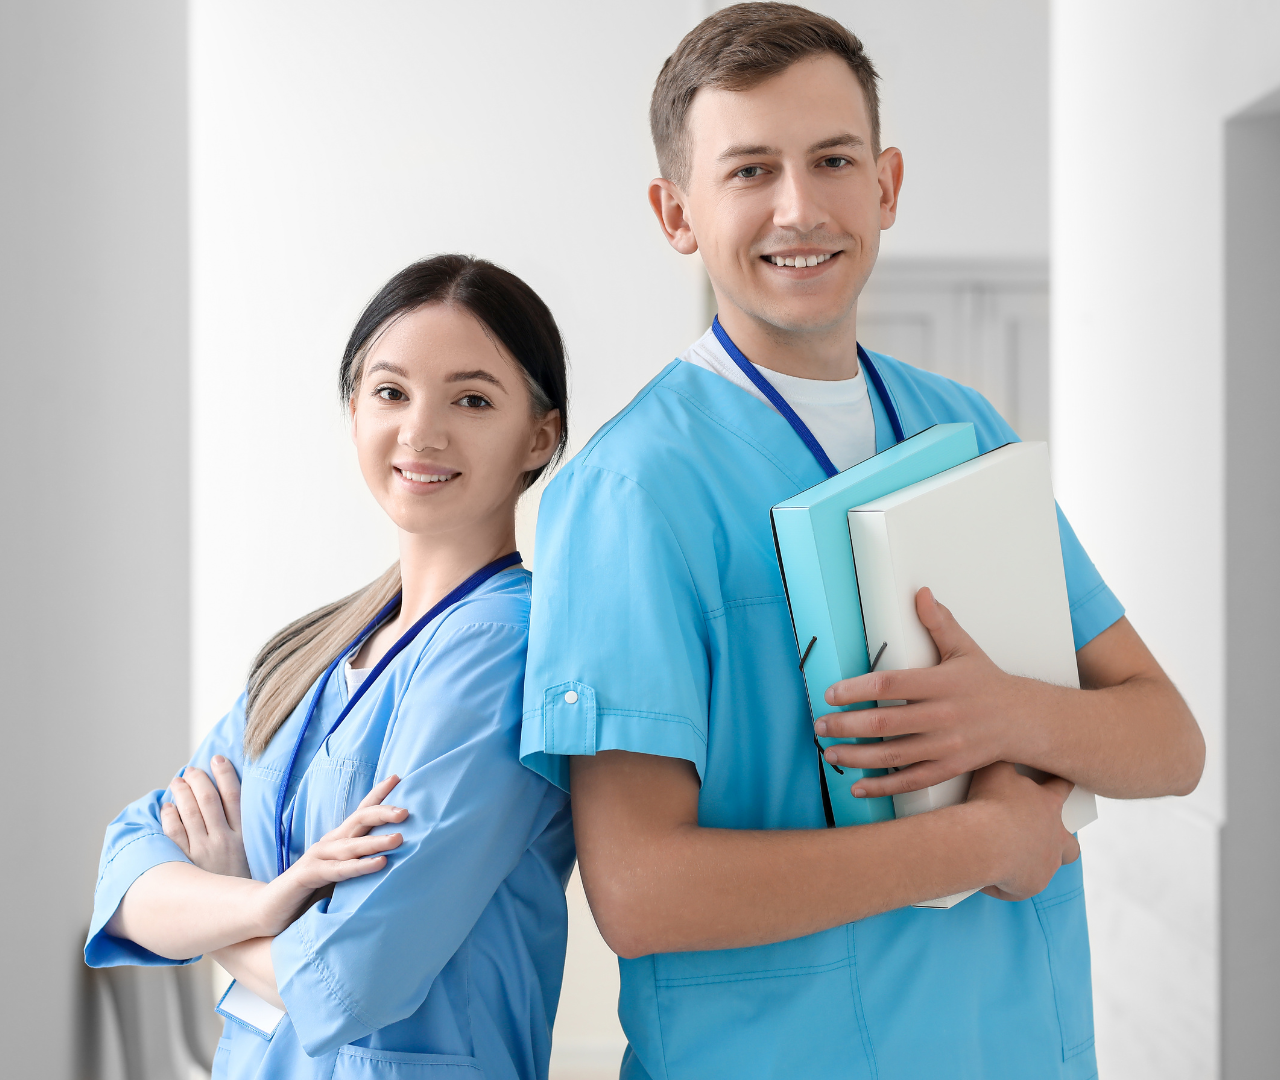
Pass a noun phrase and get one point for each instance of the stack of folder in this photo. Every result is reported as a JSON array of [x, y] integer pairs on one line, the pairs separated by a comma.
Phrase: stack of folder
[[979, 530]]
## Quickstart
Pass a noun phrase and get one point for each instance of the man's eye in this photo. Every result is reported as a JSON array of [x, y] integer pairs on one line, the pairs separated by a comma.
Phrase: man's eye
[[389, 393], [749, 172], [835, 162], [474, 401]]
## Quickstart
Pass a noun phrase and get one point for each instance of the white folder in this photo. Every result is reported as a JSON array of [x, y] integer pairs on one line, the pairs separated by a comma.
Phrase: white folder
[[984, 537]]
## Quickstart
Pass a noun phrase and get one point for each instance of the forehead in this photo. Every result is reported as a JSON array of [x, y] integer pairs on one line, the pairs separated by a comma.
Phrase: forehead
[[436, 336], [809, 101]]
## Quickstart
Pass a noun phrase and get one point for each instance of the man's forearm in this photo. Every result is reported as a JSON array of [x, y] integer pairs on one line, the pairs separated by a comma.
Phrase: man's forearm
[[1131, 741], [659, 882], [179, 911], [698, 888]]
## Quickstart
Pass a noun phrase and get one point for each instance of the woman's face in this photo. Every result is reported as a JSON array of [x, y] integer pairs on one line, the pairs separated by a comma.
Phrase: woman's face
[[443, 425]]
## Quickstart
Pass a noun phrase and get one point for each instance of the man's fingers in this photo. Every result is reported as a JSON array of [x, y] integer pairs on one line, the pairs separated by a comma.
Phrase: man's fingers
[[915, 778], [1070, 851], [886, 723], [207, 796], [1060, 787], [904, 684], [948, 635], [379, 791], [171, 823], [189, 809], [224, 775]]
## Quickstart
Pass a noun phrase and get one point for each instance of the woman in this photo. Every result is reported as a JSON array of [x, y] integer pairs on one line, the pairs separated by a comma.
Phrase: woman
[[421, 938]]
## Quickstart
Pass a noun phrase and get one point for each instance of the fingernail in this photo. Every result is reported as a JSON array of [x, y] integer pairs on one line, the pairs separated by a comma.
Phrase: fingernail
[[859, 793], [827, 697], [820, 727], [830, 755], [218, 759]]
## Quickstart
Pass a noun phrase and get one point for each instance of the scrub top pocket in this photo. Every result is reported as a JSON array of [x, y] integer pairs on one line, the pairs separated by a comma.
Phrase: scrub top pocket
[[1062, 917], [359, 1063]]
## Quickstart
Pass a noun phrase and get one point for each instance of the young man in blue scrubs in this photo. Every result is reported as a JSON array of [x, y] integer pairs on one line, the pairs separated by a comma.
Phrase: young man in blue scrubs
[[662, 677]]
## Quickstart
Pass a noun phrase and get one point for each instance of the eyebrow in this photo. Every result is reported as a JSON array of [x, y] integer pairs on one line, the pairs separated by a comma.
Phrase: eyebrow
[[845, 138], [386, 365], [479, 375]]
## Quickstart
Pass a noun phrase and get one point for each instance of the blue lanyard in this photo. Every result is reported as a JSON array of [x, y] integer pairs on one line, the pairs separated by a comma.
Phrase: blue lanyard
[[789, 414], [465, 589]]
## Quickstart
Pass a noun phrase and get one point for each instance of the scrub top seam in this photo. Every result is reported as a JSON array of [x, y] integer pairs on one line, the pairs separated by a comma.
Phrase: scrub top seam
[[746, 601], [1098, 588], [179, 857], [329, 980], [725, 425], [609, 425], [693, 581]]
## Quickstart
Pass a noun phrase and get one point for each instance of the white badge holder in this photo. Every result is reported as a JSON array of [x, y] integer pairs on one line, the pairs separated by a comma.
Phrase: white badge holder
[[243, 1006]]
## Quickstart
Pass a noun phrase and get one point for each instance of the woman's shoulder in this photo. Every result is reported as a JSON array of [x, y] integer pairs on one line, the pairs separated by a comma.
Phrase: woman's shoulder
[[501, 602]]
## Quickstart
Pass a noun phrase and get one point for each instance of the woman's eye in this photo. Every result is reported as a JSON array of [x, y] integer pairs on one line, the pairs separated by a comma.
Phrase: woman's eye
[[474, 401], [749, 172], [389, 393]]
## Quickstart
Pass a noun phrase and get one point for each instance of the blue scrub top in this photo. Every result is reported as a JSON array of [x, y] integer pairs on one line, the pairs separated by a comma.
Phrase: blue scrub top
[[659, 604], [450, 959]]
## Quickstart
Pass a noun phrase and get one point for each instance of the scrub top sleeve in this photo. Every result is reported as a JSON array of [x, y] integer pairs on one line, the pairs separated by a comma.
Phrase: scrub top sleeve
[[1094, 606], [368, 956], [618, 651], [135, 842]]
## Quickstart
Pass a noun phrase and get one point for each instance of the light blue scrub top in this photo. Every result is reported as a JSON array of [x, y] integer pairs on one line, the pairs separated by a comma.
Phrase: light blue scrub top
[[658, 602], [449, 960]]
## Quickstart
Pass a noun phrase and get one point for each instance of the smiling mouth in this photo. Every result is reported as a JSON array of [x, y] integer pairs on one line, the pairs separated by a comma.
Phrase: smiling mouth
[[799, 261], [426, 478]]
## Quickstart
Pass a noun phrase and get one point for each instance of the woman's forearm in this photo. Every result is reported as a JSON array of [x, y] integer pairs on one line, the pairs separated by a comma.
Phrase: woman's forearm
[[250, 963], [179, 911]]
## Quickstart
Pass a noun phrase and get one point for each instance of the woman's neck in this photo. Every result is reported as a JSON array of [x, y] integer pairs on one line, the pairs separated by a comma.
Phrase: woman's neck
[[429, 569]]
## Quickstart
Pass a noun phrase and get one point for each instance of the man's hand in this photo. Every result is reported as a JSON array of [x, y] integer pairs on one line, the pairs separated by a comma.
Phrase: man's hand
[[959, 716], [1126, 734], [1027, 835]]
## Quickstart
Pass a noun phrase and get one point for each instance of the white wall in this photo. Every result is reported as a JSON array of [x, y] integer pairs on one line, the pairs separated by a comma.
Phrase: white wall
[[1141, 95]]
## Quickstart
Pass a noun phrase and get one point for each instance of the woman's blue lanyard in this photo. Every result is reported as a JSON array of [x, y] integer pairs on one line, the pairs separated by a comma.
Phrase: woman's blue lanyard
[[465, 589], [789, 414]]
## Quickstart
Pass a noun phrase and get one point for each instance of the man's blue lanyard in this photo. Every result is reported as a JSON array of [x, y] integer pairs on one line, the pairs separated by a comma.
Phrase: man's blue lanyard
[[789, 414], [462, 591]]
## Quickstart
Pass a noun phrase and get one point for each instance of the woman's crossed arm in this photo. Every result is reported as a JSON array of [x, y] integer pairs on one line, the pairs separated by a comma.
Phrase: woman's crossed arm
[[179, 910]]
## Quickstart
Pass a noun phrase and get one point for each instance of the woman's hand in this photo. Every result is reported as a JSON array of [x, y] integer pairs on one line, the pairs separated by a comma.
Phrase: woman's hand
[[346, 852], [204, 819]]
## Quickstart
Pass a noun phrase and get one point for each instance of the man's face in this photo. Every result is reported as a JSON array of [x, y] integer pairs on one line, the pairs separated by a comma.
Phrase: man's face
[[784, 198]]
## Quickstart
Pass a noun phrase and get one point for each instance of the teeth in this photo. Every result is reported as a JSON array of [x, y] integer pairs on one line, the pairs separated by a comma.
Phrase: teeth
[[798, 260], [427, 478]]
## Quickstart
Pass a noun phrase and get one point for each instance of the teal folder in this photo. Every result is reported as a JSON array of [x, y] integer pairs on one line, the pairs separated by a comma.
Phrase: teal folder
[[811, 534]]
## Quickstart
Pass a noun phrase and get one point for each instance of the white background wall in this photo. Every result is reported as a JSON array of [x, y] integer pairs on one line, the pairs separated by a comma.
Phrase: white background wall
[[1141, 94]]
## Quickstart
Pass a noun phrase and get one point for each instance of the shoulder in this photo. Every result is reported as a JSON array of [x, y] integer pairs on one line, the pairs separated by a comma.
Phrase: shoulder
[[502, 601], [925, 398]]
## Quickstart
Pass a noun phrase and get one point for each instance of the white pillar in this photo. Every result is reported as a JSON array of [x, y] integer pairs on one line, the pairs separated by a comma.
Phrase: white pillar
[[1142, 93], [93, 305]]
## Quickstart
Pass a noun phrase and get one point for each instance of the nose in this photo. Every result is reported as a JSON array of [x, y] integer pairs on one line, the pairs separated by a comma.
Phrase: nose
[[797, 206], [423, 430]]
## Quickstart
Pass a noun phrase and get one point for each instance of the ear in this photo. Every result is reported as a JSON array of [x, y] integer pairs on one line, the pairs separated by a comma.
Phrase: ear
[[546, 437], [668, 203], [889, 174], [351, 409]]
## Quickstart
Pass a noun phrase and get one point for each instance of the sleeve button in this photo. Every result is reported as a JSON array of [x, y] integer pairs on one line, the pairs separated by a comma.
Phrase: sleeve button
[[571, 698]]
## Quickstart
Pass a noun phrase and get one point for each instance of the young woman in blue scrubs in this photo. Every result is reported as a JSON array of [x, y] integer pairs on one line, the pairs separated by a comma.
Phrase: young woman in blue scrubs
[[368, 939]]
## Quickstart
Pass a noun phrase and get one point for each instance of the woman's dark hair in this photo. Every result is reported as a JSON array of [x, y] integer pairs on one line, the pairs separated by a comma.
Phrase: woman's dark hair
[[505, 306], [511, 313]]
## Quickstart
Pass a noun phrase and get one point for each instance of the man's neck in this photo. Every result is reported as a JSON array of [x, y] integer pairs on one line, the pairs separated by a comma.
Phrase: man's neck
[[828, 355]]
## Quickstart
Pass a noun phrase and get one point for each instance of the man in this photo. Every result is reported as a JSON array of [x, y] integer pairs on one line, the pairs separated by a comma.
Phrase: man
[[662, 677]]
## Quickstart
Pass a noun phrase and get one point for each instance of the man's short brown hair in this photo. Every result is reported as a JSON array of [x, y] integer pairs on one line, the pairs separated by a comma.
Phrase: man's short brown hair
[[738, 48]]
